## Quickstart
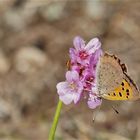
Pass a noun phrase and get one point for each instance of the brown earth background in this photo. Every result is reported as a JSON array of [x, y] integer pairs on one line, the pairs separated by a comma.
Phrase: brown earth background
[[35, 36]]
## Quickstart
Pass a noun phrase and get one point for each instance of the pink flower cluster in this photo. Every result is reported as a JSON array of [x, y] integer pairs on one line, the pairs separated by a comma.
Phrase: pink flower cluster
[[80, 79]]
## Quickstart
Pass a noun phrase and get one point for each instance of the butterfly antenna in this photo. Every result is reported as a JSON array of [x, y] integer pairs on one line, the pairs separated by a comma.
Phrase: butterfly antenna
[[115, 109]]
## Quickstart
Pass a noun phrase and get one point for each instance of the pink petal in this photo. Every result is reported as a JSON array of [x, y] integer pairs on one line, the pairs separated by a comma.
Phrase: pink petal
[[67, 98], [78, 43], [72, 54], [62, 87], [95, 57], [93, 102], [76, 97], [95, 48], [72, 76], [92, 43], [94, 89]]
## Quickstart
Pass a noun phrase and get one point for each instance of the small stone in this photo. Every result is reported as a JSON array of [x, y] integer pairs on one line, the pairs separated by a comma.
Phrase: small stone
[[4, 64], [54, 11], [4, 110], [95, 9], [29, 59]]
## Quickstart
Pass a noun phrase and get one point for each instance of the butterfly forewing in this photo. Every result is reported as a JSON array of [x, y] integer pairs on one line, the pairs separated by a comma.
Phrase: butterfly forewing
[[109, 74], [113, 82]]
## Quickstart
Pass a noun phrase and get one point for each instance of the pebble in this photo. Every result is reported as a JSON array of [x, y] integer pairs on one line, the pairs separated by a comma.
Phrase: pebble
[[4, 64], [29, 59]]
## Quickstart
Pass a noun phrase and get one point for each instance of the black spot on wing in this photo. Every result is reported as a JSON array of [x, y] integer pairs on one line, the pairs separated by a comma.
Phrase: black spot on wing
[[128, 94], [120, 94], [127, 90], [122, 84]]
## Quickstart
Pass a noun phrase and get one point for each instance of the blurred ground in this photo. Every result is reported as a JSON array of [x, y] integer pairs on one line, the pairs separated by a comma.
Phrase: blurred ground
[[35, 36]]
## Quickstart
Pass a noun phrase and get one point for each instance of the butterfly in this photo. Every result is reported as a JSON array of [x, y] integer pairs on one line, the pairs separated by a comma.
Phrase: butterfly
[[113, 81]]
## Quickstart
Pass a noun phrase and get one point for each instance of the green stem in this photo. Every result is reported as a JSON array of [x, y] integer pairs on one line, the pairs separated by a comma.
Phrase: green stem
[[55, 121]]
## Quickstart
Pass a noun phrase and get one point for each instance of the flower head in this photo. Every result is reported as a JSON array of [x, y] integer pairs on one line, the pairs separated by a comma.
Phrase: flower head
[[81, 53], [80, 79]]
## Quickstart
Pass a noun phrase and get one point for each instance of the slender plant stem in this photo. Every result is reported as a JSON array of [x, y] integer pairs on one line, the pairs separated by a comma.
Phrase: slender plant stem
[[55, 121]]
